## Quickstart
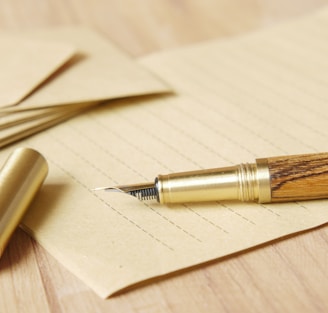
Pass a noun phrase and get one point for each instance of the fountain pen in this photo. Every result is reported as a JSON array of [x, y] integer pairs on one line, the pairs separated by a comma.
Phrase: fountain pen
[[273, 179]]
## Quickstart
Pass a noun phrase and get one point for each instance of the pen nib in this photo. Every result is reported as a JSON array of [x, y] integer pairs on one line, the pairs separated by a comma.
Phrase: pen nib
[[147, 191]]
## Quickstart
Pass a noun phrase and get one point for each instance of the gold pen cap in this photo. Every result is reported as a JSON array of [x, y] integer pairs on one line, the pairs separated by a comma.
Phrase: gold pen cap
[[20, 178]]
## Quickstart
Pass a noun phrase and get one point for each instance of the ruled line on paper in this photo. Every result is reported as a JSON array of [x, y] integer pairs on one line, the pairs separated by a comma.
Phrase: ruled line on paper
[[118, 212], [110, 156], [95, 168]]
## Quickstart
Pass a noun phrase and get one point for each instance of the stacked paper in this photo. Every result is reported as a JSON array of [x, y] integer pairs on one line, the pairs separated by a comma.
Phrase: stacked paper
[[49, 76]]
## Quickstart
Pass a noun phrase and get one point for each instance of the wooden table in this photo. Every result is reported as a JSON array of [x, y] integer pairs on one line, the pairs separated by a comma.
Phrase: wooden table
[[289, 275]]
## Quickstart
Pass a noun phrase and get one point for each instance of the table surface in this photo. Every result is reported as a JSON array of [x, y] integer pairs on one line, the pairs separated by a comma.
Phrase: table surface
[[288, 275]]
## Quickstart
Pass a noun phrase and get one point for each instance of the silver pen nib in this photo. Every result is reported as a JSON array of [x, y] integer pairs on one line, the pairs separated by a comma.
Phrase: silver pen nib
[[146, 191]]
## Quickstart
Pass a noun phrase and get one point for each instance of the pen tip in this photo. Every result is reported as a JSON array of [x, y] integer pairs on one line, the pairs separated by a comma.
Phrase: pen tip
[[146, 191], [99, 188], [115, 189]]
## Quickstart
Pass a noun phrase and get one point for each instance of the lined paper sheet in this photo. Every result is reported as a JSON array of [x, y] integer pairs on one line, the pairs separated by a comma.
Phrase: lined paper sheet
[[258, 96]]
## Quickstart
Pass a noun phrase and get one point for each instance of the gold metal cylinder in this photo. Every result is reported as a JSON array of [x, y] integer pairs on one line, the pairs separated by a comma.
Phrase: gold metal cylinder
[[20, 178], [245, 182]]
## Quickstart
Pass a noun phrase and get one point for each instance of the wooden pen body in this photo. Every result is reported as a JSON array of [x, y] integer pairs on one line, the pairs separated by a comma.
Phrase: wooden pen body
[[298, 177]]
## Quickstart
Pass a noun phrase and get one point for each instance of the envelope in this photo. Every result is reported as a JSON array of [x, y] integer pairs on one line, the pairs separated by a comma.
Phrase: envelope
[[26, 63]]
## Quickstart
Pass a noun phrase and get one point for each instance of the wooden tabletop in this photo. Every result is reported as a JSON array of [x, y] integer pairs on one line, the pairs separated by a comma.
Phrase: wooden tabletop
[[288, 275]]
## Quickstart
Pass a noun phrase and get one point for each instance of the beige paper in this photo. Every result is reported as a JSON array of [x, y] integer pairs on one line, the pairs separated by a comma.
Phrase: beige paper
[[12, 119], [258, 96], [12, 130], [25, 64], [98, 72]]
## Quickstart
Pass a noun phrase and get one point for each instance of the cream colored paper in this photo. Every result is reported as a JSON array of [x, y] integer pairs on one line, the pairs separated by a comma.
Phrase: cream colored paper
[[98, 72], [257, 96], [19, 124], [17, 129], [25, 64], [12, 119]]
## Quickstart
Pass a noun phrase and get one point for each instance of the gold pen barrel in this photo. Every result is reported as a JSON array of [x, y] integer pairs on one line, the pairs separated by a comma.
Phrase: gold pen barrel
[[245, 182]]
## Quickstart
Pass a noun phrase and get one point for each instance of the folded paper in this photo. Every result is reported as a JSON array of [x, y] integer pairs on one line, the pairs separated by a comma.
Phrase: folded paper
[[25, 64], [98, 71]]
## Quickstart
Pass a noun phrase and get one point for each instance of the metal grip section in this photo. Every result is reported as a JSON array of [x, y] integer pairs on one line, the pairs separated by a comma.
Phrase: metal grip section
[[245, 182]]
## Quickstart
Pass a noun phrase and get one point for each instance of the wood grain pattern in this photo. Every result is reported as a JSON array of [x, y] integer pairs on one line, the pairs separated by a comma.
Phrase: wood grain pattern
[[284, 276], [299, 177]]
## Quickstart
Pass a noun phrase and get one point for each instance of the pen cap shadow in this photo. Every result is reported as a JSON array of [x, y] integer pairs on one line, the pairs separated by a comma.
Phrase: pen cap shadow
[[20, 245], [43, 207]]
